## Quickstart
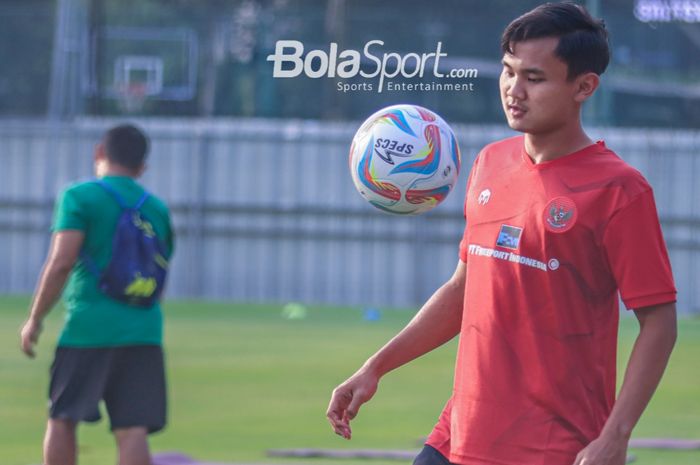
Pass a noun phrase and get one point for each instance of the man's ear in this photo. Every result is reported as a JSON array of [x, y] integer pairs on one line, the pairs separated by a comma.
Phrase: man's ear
[[585, 86], [100, 160]]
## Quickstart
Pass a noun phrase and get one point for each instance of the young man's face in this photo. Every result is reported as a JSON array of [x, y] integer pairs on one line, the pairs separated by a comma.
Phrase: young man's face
[[537, 98]]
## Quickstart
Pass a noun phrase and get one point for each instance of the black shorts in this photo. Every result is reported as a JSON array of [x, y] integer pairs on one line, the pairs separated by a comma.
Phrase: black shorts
[[430, 456], [129, 379]]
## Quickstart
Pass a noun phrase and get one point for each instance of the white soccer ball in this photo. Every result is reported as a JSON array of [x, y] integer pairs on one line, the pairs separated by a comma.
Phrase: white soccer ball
[[404, 159]]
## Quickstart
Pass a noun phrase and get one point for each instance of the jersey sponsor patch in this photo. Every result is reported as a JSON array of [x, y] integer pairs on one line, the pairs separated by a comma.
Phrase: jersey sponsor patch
[[509, 237], [480, 251], [560, 215]]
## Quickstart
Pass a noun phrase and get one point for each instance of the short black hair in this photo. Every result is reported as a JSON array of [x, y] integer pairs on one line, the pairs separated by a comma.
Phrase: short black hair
[[127, 146], [583, 40]]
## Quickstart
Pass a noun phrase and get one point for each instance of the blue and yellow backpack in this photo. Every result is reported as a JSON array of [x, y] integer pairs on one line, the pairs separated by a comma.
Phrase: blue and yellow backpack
[[138, 268]]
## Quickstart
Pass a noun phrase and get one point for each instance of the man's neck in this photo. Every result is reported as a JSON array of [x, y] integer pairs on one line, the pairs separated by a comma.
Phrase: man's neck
[[547, 147], [118, 171]]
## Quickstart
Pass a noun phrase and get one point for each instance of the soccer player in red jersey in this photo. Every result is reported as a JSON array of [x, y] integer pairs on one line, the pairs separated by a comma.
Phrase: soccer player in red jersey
[[557, 227]]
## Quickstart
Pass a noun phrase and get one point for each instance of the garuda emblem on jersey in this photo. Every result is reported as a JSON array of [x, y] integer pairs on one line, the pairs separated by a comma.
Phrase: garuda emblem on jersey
[[560, 215]]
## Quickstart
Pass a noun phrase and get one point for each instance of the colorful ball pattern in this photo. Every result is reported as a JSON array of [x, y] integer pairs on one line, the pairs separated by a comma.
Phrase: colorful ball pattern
[[404, 159]]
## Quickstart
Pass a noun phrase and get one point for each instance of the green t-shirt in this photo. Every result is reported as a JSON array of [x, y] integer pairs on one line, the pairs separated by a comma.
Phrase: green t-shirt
[[93, 319]]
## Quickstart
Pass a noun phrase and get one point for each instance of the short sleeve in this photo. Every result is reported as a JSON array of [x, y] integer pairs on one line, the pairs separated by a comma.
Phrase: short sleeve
[[463, 244], [68, 213], [637, 254]]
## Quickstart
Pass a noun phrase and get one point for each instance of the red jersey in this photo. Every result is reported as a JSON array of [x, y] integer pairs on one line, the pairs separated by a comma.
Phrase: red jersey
[[547, 248]]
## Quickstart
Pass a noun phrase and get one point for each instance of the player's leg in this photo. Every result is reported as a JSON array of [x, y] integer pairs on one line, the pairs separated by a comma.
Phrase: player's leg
[[59, 442], [132, 446], [135, 398], [77, 381], [430, 456]]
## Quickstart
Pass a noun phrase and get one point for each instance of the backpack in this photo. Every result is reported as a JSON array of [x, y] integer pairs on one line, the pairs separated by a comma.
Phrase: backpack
[[137, 270]]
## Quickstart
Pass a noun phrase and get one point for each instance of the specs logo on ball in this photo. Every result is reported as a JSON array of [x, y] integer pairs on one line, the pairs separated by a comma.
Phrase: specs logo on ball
[[387, 148]]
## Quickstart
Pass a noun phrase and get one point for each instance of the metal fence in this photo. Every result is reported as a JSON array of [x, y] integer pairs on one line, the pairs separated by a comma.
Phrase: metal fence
[[265, 211]]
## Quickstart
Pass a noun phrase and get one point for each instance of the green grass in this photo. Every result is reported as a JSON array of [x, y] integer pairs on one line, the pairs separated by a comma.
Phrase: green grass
[[243, 380]]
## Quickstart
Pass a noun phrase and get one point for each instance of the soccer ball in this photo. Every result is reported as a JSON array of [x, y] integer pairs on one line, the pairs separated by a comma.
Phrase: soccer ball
[[404, 159]]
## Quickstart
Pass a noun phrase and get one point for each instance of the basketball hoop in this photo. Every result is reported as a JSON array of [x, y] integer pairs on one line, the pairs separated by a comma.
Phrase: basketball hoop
[[132, 96]]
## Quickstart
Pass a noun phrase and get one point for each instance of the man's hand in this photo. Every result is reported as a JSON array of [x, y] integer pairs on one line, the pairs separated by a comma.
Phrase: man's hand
[[436, 322], [604, 451], [29, 336], [347, 399], [646, 365], [63, 253]]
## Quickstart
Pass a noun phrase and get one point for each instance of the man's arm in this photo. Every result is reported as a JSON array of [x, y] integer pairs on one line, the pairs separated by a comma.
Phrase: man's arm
[[63, 253], [646, 365], [436, 323]]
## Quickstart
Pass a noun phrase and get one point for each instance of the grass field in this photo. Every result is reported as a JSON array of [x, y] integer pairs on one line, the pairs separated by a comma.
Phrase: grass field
[[242, 380]]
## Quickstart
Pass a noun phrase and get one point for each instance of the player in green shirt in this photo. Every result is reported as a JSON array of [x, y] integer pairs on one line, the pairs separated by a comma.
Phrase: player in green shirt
[[108, 350]]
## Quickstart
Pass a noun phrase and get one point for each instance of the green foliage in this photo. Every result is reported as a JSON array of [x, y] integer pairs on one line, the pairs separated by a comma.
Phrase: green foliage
[[242, 379]]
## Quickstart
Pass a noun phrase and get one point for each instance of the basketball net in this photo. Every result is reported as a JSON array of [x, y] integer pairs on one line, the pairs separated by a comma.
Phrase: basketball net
[[132, 96]]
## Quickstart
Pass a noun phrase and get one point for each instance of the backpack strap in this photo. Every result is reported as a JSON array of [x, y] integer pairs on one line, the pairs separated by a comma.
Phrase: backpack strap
[[87, 259], [141, 201], [120, 200], [117, 196]]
